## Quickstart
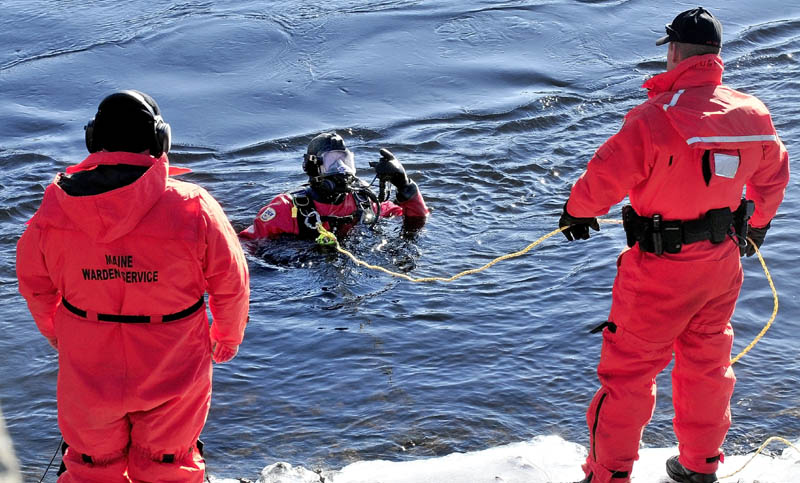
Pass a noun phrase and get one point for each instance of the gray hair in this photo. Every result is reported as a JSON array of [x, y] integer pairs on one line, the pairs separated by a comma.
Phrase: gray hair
[[689, 50]]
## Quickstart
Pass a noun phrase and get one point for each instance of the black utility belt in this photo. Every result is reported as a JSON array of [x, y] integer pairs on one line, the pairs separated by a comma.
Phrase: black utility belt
[[656, 235], [133, 319]]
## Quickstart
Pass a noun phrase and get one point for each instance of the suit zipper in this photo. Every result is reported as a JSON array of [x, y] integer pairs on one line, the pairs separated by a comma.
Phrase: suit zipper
[[594, 426]]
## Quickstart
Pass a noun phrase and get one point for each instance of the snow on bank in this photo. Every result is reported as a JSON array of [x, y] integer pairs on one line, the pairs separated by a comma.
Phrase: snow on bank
[[544, 459]]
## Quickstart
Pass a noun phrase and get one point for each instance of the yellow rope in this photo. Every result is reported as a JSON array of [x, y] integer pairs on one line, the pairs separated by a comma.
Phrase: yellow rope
[[774, 307], [328, 238], [768, 441]]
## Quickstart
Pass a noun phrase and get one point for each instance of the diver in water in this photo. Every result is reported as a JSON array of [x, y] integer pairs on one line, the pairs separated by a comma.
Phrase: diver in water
[[335, 197]]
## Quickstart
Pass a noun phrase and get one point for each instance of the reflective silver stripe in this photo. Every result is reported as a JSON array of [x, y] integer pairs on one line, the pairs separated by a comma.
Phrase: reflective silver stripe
[[674, 99], [733, 139]]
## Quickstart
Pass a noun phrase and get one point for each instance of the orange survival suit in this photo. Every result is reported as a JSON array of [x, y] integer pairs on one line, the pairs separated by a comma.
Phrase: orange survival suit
[[691, 148], [115, 281]]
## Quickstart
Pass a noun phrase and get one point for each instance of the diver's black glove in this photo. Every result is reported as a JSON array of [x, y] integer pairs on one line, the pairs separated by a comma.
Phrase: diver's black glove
[[388, 168], [757, 235], [578, 227]]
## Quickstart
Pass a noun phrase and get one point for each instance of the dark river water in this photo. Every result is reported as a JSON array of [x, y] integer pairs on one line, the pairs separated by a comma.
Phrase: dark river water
[[493, 107]]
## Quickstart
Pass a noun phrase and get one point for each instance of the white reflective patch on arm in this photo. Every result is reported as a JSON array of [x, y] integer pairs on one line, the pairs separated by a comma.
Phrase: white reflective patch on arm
[[725, 165], [267, 214]]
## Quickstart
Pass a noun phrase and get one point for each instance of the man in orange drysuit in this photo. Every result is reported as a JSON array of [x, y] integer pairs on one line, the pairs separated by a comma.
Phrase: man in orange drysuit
[[336, 197], [114, 266], [683, 159]]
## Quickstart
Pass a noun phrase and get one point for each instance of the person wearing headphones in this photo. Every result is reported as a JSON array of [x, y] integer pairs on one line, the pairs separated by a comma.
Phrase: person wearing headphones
[[337, 198], [114, 266]]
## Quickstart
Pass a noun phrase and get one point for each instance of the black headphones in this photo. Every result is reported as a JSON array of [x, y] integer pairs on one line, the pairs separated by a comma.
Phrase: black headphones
[[161, 141], [311, 165]]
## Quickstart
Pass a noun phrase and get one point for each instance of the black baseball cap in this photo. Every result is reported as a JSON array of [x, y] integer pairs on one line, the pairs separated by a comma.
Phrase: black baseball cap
[[695, 26]]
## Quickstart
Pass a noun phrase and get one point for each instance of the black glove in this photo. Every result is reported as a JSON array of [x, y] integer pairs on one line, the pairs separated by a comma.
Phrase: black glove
[[388, 168], [578, 227], [757, 235]]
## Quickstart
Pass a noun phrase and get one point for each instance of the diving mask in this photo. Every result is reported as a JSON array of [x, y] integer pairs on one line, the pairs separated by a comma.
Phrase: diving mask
[[338, 162]]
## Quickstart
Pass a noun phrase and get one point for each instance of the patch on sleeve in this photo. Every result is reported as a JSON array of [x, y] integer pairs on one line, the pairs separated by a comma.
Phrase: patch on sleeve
[[726, 165], [267, 214]]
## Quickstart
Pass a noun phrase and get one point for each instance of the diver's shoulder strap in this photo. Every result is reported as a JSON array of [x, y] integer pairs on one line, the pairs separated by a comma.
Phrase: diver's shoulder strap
[[305, 211]]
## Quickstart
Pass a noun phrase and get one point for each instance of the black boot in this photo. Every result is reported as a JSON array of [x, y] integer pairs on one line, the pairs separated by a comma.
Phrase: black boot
[[681, 474]]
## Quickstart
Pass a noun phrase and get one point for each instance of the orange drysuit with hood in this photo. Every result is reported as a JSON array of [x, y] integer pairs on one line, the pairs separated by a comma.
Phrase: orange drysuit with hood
[[133, 391], [692, 147]]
